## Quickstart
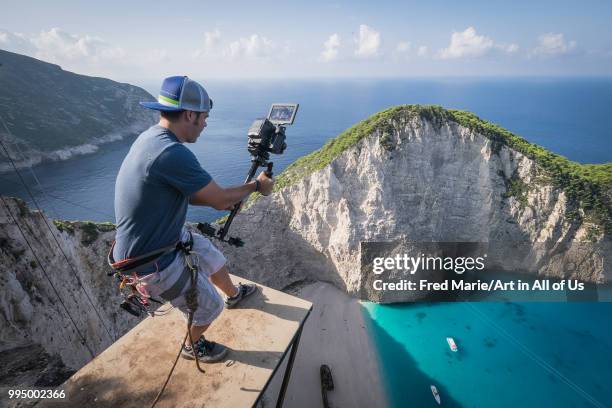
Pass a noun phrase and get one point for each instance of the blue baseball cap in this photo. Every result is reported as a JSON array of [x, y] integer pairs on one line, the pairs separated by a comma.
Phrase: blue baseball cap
[[181, 93]]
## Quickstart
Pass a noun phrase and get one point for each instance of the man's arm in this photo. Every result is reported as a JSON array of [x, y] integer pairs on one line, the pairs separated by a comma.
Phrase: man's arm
[[221, 198], [212, 195]]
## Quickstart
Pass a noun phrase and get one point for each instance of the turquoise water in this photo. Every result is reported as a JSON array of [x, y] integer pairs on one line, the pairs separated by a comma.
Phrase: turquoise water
[[510, 354]]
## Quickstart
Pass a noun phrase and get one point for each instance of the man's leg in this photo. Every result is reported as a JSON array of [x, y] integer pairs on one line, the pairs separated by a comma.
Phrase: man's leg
[[222, 280], [202, 349], [234, 294], [196, 332]]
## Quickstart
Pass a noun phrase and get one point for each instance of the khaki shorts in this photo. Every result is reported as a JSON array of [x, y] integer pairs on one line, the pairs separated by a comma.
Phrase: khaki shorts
[[208, 260]]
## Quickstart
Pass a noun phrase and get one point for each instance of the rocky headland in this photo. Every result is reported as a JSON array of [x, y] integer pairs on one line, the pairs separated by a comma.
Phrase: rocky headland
[[50, 114], [425, 174]]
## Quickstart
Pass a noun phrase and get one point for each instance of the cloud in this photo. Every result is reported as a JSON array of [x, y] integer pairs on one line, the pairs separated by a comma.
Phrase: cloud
[[368, 43], [59, 46], [212, 41], [254, 46], [508, 48], [156, 55], [287, 49], [422, 51], [402, 51], [468, 43], [80, 53], [330, 48], [599, 52], [552, 44], [402, 47], [212, 38], [16, 42]]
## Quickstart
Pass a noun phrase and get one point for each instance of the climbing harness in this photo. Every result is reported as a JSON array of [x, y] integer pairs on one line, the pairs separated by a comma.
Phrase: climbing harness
[[138, 300]]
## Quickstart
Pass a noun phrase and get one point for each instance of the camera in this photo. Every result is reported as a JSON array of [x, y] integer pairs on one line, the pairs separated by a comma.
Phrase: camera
[[267, 135]]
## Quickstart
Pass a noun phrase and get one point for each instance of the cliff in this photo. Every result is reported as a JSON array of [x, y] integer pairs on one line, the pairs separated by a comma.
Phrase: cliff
[[50, 300], [425, 174], [54, 114]]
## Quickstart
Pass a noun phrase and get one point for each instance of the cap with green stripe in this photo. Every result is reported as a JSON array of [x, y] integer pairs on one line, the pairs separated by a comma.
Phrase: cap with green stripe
[[181, 93]]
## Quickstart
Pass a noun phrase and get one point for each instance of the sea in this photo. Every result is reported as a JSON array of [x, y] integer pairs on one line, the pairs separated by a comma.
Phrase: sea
[[511, 354]]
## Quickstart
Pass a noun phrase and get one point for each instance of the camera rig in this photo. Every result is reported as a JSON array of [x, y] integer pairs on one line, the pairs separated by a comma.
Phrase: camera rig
[[265, 136]]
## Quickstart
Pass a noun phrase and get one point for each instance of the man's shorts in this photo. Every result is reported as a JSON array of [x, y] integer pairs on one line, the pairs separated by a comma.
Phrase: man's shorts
[[208, 260]]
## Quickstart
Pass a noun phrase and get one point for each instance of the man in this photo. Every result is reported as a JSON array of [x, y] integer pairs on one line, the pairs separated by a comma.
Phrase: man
[[158, 178]]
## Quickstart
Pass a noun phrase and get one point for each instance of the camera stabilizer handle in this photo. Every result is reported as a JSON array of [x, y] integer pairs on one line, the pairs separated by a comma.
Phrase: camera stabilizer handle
[[256, 163]]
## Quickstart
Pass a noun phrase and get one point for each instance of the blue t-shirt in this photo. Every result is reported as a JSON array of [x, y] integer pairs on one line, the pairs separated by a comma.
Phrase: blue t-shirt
[[152, 192]]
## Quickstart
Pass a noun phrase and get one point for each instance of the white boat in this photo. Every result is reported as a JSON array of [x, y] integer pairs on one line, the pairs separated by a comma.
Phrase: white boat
[[435, 393], [451, 344]]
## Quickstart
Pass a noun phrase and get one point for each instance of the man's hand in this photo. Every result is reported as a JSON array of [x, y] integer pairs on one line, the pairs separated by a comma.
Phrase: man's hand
[[231, 207], [265, 184]]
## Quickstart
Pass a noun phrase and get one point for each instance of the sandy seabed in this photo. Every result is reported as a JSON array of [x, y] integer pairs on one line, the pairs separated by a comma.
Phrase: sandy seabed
[[334, 334]]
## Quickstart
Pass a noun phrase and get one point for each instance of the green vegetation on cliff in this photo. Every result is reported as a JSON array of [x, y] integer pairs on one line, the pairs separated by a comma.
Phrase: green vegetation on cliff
[[90, 230], [64, 226], [587, 186]]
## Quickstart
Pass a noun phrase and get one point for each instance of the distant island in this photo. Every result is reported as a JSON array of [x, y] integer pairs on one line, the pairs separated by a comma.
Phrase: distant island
[[52, 114]]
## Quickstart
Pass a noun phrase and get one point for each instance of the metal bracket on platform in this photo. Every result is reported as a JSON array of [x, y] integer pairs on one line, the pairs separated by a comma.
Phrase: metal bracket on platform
[[295, 342]]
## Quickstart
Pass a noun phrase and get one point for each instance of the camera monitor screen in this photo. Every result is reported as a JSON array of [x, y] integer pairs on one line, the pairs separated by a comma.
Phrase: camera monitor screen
[[283, 113]]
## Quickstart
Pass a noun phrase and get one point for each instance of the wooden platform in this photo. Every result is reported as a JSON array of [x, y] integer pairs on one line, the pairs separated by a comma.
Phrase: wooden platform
[[131, 372]]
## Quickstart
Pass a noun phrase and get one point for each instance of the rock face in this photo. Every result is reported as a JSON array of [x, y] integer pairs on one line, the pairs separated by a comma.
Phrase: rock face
[[54, 114], [415, 174], [49, 315]]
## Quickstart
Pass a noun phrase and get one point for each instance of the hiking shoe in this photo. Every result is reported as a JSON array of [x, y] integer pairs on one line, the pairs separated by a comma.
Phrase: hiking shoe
[[207, 351], [244, 290]]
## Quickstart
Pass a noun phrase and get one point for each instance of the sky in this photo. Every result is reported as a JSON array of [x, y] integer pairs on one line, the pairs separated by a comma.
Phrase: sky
[[135, 40]]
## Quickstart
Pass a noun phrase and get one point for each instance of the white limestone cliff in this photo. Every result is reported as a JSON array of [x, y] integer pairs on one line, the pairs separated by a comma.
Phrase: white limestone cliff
[[43, 316], [413, 177]]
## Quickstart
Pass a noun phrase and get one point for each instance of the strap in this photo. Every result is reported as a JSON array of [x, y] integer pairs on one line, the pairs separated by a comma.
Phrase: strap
[[175, 290], [129, 264]]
